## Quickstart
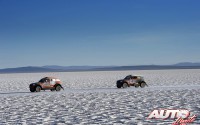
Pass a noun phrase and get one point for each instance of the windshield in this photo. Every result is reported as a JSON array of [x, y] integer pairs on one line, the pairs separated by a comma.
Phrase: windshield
[[42, 80], [128, 77]]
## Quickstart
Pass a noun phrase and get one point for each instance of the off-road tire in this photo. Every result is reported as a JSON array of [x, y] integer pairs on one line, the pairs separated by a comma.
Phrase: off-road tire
[[58, 88], [125, 85], [142, 84], [38, 88]]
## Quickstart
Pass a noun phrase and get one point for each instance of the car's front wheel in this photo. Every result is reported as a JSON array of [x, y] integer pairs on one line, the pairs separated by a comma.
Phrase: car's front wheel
[[38, 89], [58, 88], [142, 84]]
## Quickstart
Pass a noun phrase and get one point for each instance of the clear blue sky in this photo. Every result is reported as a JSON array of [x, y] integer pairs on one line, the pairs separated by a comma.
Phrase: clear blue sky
[[98, 32]]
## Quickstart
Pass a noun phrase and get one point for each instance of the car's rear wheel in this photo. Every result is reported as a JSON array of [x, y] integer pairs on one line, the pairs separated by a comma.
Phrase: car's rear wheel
[[38, 89], [142, 84], [58, 88], [125, 85]]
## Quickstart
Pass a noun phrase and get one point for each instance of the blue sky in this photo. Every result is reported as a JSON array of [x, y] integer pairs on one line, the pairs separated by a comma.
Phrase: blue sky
[[98, 32]]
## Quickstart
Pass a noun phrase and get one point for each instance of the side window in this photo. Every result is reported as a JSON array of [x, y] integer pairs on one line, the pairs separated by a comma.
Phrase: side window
[[42, 80], [128, 77], [134, 77], [52, 82], [47, 80]]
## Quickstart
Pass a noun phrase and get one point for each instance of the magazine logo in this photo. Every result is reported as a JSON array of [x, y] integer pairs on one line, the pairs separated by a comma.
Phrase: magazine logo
[[181, 115]]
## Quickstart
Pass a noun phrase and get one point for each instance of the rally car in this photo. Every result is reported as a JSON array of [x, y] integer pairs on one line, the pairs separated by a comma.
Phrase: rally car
[[131, 81], [46, 83]]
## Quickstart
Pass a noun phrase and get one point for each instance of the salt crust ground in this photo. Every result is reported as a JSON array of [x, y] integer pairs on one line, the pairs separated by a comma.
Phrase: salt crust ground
[[92, 98]]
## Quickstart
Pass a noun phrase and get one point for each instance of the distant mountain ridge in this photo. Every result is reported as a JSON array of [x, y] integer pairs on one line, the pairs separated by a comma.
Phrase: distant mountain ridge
[[56, 68], [187, 64], [50, 68], [28, 69], [73, 67], [146, 67]]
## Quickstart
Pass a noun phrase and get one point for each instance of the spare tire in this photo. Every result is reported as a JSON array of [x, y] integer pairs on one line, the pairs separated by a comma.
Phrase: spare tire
[[119, 84], [32, 89]]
